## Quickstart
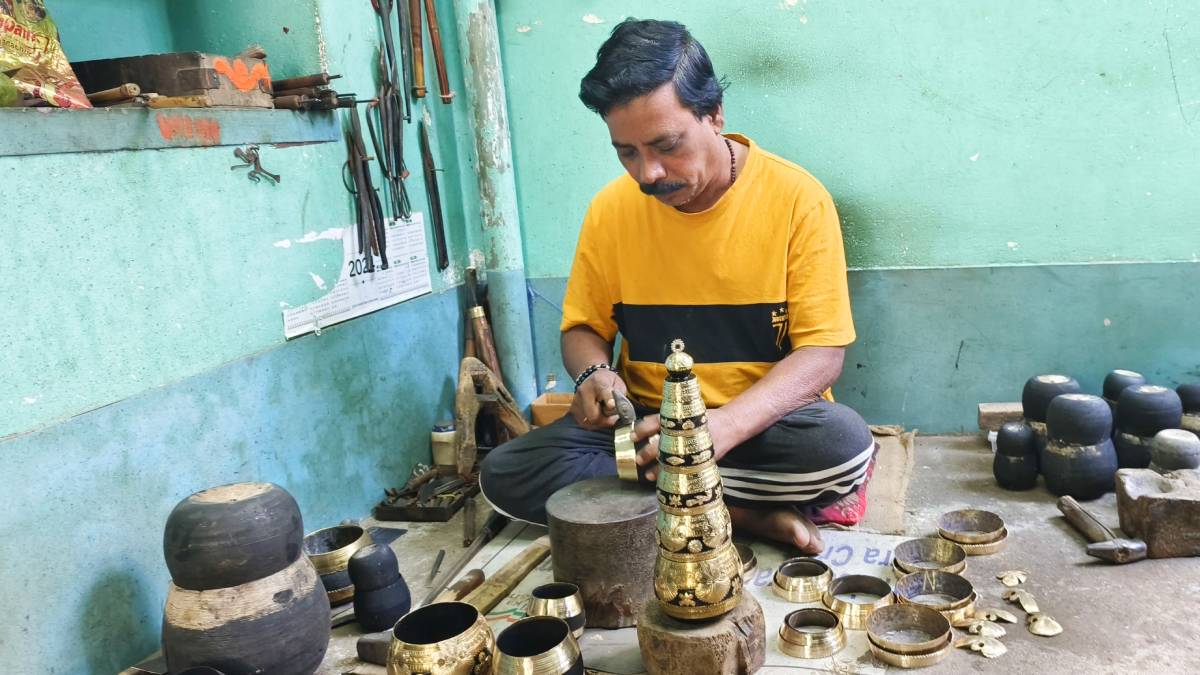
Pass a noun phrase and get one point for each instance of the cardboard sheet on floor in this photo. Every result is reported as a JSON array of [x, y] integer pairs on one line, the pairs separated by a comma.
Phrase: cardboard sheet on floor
[[616, 651]]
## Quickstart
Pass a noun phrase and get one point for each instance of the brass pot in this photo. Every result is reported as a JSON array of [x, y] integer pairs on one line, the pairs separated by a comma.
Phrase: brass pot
[[445, 638], [696, 533], [945, 592], [562, 600], [330, 550], [679, 490], [811, 633], [538, 645], [802, 579], [971, 526], [908, 629], [930, 553], [698, 589], [854, 597]]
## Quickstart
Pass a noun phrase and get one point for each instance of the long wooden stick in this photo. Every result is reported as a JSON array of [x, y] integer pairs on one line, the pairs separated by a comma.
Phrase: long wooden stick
[[418, 49], [492, 591]]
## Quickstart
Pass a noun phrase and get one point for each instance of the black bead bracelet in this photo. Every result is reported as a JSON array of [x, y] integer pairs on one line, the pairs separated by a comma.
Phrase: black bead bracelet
[[587, 372]]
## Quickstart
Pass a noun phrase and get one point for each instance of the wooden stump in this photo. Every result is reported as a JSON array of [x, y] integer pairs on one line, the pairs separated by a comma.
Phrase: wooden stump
[[603, 539], [734, 643]]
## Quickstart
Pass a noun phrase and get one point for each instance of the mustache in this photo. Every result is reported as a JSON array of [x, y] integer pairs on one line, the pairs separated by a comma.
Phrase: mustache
[[660, 188]]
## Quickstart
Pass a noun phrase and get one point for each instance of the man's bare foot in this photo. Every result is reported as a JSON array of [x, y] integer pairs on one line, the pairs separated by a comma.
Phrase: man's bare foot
[[785, 526]]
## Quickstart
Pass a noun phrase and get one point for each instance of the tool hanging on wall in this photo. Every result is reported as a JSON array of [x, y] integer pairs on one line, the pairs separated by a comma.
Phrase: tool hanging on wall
[[372, 237], [434, 198], [418, 50], [387, 136]]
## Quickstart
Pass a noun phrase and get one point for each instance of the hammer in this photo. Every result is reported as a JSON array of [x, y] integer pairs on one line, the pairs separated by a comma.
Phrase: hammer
[[1105, 545]]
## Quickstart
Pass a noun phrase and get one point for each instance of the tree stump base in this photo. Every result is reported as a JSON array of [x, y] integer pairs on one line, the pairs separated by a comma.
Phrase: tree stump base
[[603, 539], [734, 643]]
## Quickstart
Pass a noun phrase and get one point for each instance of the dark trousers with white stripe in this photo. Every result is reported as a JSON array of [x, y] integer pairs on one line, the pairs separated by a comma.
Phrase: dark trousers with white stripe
[[812, 457]]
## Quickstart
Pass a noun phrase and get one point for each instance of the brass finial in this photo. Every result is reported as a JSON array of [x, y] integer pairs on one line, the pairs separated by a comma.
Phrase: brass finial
[[679, 362]]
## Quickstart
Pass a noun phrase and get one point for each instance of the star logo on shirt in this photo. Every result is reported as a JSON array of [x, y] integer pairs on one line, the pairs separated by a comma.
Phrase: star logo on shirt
[[779, 321]]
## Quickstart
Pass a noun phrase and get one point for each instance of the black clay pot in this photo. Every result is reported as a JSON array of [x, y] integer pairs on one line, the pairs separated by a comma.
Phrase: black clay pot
[[1189, 396], [1078, 419], [373, 566], [1174, 449], [1015, 465], [1147, 409], [232, 534], [1118, 381], [380, 608], [1040, 390], [1084, 472], [277, 624]]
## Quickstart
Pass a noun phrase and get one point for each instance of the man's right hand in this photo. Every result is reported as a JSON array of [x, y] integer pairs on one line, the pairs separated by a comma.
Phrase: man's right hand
[[593, 406]]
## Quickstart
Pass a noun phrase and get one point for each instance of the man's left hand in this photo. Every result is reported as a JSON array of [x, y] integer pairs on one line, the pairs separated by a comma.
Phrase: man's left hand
[[719, 428]]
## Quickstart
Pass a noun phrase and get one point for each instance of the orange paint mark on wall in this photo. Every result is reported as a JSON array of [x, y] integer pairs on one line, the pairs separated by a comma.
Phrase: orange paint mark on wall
[[205, 131], [243, 77]]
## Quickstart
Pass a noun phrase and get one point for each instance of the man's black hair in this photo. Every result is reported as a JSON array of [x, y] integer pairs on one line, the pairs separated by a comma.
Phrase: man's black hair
[[641, 56]]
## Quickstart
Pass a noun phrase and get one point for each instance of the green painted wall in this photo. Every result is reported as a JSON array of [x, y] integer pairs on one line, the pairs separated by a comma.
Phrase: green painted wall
[[143, 354], [162, 264], [949, 133]]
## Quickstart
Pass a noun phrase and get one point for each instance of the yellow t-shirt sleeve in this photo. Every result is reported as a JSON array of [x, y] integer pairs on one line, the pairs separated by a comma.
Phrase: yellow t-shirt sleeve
[[590, 296], [818, 295]]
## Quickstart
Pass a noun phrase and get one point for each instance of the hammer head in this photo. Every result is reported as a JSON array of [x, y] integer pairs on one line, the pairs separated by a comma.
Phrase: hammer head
[[1119, 551]]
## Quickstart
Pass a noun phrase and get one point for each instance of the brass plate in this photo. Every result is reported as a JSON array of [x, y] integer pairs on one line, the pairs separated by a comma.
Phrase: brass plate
[[989, 548], [930, 553]]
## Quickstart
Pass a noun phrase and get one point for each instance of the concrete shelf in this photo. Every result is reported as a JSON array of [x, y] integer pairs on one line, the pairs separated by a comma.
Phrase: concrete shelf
[[48, 131]]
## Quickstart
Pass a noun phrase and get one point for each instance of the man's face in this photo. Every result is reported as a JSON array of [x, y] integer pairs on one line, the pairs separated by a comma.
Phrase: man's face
[[663, 146]]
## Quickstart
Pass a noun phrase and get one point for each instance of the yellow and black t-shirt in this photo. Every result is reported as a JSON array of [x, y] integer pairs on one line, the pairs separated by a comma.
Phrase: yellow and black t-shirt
[[743, 283]]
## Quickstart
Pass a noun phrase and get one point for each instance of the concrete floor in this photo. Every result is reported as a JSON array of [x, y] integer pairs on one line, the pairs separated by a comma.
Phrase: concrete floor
[[1117, 619]]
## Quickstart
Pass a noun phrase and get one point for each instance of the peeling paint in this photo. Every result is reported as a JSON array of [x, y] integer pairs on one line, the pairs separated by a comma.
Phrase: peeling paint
[[1012, 246], [283, 243], [30, 400], [524, 28], [333, 233], [974, 157], [317, 280], [592, 19], [1107, 322]]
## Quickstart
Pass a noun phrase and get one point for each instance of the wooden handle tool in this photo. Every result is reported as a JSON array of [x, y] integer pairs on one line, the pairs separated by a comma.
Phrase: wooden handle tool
[[491, 592]]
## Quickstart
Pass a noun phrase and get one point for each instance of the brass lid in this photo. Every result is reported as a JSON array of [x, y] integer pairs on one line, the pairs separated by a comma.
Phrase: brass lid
[[679, 363]]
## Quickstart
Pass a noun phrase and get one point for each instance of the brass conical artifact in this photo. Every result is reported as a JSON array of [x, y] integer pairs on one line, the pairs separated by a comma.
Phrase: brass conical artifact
[[698, 574]]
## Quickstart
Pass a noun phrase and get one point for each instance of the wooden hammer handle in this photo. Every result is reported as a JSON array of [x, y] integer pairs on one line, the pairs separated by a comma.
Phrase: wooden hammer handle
[[1081, 519], [418, 49]]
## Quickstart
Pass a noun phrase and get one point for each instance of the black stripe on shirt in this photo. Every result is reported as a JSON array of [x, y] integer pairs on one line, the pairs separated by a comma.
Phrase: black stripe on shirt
[[713, 333]]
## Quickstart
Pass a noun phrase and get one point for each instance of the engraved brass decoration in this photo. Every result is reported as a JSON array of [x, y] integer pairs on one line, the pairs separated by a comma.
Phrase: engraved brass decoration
[[698, 574]]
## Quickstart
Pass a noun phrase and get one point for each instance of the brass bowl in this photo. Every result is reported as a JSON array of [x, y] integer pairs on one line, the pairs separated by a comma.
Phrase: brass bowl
[[913, 660], [562, 600], [988, 548], [970, 526], [908, 629], [802, 579], [854, 596], [811, 633], [330, 550], [538, 645], [698, 589], [930, 553], [696, 532], [937, 590], [445, 638]]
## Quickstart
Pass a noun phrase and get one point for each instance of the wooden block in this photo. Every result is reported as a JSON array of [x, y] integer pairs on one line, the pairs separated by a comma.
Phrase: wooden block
[[495, 589], [993, 415], [734, 643], [604, 540]]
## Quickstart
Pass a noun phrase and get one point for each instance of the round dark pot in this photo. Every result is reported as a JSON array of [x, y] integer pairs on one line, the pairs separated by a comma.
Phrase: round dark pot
[[1189, 395], [1041, 389], [380, 608], [232, 534], [278, 624], [1078, 419], [1084, 472], [1015, 473], [1174, 449], [1119, 380], [1133, 452], [1016, 439], [1147, 409], [373, 566]]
